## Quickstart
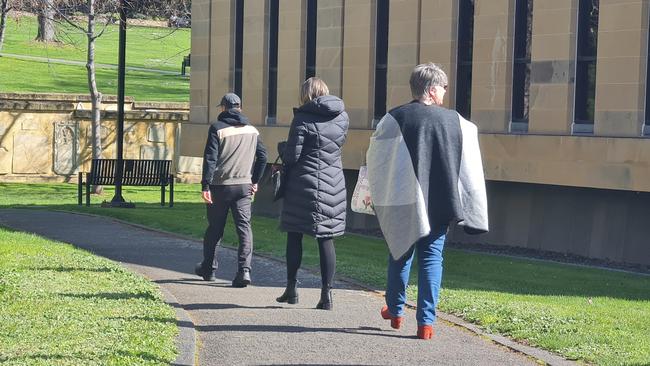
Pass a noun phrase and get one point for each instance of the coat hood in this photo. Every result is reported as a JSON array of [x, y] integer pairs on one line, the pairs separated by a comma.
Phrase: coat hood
[[327, 105], [233, 117]]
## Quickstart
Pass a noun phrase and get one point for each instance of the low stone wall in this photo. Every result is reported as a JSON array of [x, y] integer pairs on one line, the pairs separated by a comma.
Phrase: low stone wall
[[47, 137]]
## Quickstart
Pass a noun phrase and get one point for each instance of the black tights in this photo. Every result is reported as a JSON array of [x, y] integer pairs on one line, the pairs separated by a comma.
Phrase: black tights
[[327, 258]]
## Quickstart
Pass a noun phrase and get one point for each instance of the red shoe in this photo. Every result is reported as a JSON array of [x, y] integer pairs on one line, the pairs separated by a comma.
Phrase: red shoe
[[425, 331], [395, 321]]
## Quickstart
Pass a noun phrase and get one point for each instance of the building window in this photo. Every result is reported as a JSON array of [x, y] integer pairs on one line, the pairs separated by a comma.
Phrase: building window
[[521, 65], [381, 58], [646, 125], [272, 102], [464, 59], [310, 49], [239, 45], [585, 83]]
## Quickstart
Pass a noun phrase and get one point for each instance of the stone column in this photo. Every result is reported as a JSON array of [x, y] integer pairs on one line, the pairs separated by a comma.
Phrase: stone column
[[329, 44], [621, 67], [221, 53], [403, 49], [199, 79], [358, 62], [291, 68], [255, 62], [438, 39], [492, 64], [552, 67]]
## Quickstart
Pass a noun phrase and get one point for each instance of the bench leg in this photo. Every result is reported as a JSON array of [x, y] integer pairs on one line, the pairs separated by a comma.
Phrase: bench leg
[[171, 190], [87, 191], [79, 189], [162, 195]]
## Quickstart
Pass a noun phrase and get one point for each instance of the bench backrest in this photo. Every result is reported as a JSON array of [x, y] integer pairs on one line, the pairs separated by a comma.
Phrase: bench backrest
[[135, 172]]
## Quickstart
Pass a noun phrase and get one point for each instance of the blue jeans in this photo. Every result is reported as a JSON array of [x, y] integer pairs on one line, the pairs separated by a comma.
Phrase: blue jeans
[[429, 277]]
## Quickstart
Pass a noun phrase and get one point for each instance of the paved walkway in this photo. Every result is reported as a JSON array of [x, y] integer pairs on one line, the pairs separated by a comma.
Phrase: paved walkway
[[83, 63], [246, 326]]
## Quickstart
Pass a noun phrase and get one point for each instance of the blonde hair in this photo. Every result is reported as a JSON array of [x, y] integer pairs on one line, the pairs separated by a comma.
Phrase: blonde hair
[[312, 88]]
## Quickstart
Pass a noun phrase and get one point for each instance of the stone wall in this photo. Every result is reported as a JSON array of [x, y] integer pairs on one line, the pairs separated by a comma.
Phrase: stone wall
[[47, 137]]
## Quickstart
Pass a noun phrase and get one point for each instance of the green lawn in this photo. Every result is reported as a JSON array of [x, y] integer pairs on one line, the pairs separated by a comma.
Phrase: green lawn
[[52, 78], [61, 305], [153, 48], [592, 315]]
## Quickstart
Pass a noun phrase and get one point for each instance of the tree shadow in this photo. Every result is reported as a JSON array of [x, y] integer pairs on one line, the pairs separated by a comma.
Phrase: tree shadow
[[257, 328], [217, 306]]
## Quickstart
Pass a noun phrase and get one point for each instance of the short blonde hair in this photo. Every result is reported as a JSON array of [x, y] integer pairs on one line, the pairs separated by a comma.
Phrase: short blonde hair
[[313, 88]]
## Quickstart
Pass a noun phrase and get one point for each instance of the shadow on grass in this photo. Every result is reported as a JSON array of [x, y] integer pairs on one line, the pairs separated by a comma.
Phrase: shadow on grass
[[144, 319], [112, 296], [67, 269]]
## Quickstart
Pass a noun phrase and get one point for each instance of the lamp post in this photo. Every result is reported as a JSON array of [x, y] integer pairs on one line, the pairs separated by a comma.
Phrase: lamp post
[[118, 200]]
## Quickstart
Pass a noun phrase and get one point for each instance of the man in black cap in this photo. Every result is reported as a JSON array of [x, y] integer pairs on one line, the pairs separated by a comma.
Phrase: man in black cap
[[233, 163]]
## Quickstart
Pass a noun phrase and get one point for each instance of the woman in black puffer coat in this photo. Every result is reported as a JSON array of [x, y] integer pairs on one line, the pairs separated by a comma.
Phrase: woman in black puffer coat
[[315, 195]]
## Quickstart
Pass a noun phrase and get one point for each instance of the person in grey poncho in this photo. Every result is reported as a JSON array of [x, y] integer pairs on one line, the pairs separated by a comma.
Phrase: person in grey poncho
[[424, 173]]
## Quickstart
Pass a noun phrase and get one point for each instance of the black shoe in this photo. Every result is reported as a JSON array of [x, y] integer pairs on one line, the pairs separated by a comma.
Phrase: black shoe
[[290, 294], [207, 275], [325, 302], [242, 279]]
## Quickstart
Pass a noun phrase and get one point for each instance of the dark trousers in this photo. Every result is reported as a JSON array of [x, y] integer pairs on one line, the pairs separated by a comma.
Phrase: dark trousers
[[327, 258], [237, 199]]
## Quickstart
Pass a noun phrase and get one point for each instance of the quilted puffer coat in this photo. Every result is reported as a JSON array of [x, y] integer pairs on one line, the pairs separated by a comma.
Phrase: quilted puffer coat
[[315, 195]]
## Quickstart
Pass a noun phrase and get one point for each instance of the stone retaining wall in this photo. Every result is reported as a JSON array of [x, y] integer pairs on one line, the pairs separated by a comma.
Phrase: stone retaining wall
[[47, 137]]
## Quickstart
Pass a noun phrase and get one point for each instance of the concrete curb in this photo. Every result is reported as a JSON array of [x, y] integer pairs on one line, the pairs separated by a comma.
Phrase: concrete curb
[[541, 356], [186, 338]]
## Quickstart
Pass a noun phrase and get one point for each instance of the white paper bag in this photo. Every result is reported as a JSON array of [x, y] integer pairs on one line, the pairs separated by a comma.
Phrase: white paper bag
[[361, 198]]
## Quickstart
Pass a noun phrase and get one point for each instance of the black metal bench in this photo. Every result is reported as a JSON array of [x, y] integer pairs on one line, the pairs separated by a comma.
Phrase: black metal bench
[[135, 173], [186, 63]]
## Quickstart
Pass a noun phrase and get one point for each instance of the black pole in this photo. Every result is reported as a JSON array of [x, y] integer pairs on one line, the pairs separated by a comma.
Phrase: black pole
[[118, 200]]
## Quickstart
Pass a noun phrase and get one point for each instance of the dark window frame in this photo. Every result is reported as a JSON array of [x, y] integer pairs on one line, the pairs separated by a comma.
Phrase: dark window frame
[[465, 45], [646, 125], [239, 46], [381, 58], [585, 68], [311, 36], [521, 70], [272, 95]]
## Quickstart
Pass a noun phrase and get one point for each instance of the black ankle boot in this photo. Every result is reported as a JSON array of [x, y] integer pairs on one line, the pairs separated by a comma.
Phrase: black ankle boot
[[290, 294], [325, 302]]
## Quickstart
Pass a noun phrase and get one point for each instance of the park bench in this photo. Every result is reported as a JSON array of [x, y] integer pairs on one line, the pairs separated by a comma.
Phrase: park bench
[[186, 63], [135, 173]]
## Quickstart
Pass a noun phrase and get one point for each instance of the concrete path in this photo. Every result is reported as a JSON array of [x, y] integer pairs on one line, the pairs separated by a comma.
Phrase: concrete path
[[83, 63], [246, 326]]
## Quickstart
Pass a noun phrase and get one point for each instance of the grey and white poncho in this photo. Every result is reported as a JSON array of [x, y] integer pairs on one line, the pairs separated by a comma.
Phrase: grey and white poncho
[[425, 172]]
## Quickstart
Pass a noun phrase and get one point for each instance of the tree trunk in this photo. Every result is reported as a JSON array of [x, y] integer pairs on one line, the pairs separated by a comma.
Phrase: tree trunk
[[4, 10], [95, 95], [46, 31]]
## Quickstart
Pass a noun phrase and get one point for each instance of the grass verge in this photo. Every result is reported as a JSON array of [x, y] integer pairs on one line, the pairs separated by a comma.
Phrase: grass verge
[[587, 314], [62, 305]]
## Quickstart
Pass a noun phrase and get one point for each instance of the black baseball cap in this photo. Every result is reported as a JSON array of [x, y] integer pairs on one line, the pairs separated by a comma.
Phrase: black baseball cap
[[230, 100]]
